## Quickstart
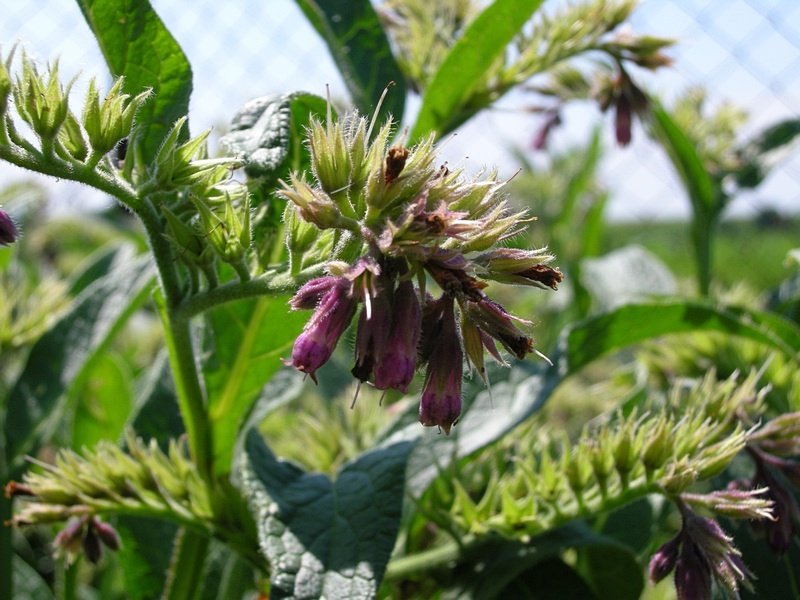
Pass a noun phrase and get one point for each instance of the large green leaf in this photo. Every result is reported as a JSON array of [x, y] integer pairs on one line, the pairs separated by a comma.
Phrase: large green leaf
[[444, 105], [704, 192], [512, 564], [136, 44], [250, 338], [323, 538], [361, 50], [61, 357], [601, 334]]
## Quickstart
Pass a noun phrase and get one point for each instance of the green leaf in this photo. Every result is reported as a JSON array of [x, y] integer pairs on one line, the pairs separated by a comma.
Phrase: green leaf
[[766, 150], [104, 401], [445, 105], [509, 561], [28, 583], [268, 133], [137, 45], [612, 571], [626, 275], [361, 50], [156, 414], [250, 338], [145, 555], [325, 538], [550, 579], [704, 193], [631, 324], [61, 357]]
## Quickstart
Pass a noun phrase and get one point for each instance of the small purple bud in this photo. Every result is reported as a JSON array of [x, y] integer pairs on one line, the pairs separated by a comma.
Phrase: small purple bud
[[314, 346], [8, 231], [663, 561], [396, 367], [107, 534], [441, 396], [551, 121], [310, 294], [623, 121], [68, 541], [92, 547]]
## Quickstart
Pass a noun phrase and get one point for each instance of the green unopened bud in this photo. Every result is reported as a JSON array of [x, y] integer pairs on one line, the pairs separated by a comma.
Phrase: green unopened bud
[[165, 160], [213, 226], [192, 248], [715, 458], [314, 205], [680, 475], [72, 141], [626, 449], [42, 105], [237, 232], [658, 446], [330, 156], [109, 119]]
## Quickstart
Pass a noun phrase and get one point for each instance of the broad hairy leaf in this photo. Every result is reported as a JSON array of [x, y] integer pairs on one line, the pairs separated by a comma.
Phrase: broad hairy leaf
[[361, 50], [704, 192], [268, 133], [444, 105], [136, 44], [325, 538], [250, 338], [60, 358]]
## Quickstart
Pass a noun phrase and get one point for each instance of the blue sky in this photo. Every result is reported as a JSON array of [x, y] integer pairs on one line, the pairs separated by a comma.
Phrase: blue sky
[[747, 52]]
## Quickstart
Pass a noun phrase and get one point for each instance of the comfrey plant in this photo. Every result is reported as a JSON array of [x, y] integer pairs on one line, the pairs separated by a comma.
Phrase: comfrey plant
[[361, 225]]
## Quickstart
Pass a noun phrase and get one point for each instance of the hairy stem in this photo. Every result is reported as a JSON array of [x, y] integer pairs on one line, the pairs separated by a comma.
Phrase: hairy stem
[[439, 557], [73, 171]]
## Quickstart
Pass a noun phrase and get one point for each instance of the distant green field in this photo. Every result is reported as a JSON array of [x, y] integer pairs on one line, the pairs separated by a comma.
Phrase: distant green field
[[744, 251]]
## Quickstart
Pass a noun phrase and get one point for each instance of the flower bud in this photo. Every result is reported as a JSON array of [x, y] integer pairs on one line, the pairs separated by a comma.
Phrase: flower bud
[[107, 534], [315, 345], [8, 231], [396, 367], [440, 404], [663, 561]]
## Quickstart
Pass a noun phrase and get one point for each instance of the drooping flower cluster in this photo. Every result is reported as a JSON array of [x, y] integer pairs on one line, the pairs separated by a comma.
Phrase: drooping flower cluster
[[393, 219], [702, 553]]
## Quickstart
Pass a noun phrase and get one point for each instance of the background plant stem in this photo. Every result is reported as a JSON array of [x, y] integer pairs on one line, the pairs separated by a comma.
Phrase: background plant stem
[[186, 571]]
